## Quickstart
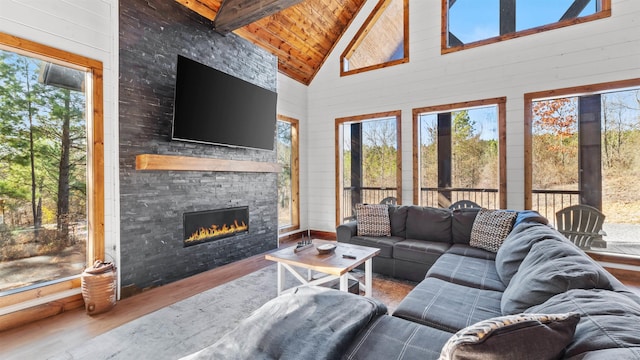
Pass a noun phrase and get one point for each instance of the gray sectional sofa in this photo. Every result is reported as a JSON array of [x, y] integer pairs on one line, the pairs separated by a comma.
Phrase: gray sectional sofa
[[418, 237], [537, 297]]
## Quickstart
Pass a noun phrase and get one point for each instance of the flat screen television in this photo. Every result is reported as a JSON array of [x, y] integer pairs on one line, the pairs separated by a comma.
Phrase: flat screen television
[[213, 107]]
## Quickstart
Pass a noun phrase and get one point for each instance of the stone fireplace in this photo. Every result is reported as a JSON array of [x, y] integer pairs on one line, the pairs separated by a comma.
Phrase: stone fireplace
[[153, 201], [211, 225]]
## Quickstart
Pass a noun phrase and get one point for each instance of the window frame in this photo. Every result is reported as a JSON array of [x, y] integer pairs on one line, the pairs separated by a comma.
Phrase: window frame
[[364, 30], [339, 174], [605, 12], [584, 90], [295, 176], [501, 103], [65, 292]]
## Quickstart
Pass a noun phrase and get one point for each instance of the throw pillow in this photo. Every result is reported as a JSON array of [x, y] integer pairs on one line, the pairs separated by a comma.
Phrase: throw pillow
[[490, 228], [373, 220], [521, 336]]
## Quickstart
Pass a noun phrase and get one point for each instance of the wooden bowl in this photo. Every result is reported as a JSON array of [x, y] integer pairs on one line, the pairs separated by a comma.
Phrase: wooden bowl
[[325, 248]]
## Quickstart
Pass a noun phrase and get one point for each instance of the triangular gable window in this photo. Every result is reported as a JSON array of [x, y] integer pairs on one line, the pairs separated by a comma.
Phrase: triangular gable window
[[382, 41]]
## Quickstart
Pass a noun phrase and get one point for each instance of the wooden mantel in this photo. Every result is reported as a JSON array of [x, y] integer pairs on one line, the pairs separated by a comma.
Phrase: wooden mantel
[[190, 163]]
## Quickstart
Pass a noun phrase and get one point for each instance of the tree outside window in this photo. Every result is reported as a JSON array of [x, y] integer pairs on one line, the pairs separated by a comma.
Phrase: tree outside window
[[559, 164], [43, 166]]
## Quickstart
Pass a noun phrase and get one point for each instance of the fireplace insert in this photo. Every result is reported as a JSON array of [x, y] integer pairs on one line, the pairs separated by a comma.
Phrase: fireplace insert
[[210, 225]]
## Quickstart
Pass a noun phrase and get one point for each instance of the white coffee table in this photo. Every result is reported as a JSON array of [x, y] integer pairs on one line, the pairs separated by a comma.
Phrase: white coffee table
[[333, 265]]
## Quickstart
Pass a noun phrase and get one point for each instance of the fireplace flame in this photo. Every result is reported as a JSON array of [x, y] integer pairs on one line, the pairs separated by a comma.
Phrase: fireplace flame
[[215, 230]]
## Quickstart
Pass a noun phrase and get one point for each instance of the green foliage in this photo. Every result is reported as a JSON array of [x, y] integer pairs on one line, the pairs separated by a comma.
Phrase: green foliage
[[555, 147], [283, 150], [38, 123], [474, 160], [379, 153]]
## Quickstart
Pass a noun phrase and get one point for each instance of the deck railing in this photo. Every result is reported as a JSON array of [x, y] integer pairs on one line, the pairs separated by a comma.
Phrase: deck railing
[[443, 197], [368, 195], [546, 202]]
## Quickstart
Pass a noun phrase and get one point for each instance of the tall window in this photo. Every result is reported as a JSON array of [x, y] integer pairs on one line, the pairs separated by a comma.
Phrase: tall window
[[382, 41], [459, 154], [51, 174], [584, 151], [470, 23], [368, 162], [288, 179]]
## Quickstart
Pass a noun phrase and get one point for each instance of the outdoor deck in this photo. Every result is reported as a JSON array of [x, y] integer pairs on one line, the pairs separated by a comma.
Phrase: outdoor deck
[[620, 238]]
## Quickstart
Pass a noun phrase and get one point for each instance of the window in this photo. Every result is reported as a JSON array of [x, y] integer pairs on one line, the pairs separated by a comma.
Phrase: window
[[584, 152], [382, 41], [52, 178], [471, 23], [368, 162], [288, 179], [459, 154]]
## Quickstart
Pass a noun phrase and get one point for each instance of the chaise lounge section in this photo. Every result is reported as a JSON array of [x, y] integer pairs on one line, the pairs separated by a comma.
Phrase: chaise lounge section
[[529, 295]]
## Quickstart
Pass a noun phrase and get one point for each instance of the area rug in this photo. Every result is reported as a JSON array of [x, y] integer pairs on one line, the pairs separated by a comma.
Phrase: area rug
[[194, 323]]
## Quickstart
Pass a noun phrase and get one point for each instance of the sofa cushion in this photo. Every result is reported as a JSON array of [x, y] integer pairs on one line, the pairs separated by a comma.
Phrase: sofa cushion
[[462, 223], [632, 353], [491, 227], [467, 271], [373, 220], [521, 336], [608, 320], [517, 245], [398, 220], [420, 251], [448, 306], [389, 337], [550, 268], [427, 223], [470, 251], [384, 243]]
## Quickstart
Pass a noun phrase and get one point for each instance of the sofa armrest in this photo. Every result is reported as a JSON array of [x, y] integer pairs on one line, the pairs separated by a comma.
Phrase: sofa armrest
[[346, 231]]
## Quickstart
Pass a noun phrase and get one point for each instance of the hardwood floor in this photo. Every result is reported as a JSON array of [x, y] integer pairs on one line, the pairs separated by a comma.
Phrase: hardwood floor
[[55, 334]]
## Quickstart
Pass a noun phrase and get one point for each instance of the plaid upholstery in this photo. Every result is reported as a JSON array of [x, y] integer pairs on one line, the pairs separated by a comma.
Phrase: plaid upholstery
[[392, 338], [467, 271], [447, 306]]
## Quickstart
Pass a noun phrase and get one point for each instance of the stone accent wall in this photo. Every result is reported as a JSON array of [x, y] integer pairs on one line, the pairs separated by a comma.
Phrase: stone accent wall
[[152, 34]]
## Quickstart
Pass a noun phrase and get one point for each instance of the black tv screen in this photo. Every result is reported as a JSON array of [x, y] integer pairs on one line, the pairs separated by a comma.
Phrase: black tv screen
[[216, 108]]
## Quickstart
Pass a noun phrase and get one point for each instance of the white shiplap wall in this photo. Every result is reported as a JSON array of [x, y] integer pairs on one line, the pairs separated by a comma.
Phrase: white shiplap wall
[[292, 102], [88, 28], [594, 52]]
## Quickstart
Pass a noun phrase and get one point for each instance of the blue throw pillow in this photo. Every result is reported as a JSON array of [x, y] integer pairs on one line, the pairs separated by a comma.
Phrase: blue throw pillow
[[530, 216]]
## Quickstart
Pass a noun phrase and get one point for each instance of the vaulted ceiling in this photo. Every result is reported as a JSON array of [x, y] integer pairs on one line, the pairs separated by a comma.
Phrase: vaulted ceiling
[[301, 36]]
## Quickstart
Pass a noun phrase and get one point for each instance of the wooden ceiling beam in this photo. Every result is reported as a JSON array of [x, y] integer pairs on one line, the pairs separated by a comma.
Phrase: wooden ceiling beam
[[302, 36], [206, 10], [234, 14]]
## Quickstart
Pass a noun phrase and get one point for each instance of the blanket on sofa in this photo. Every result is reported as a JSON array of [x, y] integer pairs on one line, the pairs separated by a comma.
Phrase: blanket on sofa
[[311, 323]]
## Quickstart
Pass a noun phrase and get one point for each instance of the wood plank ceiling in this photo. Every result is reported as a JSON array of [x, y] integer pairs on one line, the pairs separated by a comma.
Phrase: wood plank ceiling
[[301, 36]]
